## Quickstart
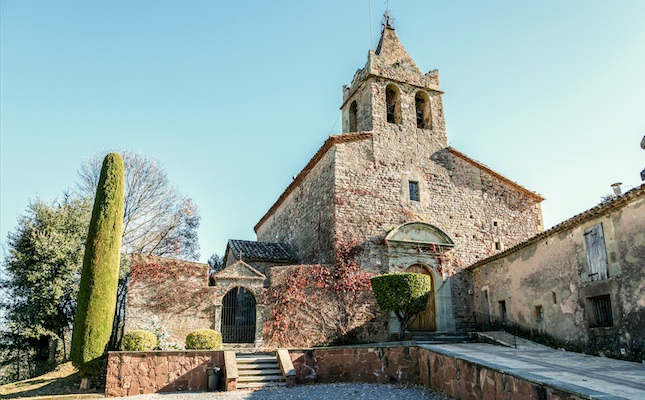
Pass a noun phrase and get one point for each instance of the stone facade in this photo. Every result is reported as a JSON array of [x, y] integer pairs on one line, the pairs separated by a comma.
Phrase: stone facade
[[177, 294], [547, 285], [357, 186], [173, 292]]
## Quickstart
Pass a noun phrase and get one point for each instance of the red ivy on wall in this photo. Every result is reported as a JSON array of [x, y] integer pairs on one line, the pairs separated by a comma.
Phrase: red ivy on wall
[[320, 304], [169, 285]]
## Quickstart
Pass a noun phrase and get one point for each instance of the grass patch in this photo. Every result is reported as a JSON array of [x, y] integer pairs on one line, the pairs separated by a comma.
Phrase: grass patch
[[64, 380]]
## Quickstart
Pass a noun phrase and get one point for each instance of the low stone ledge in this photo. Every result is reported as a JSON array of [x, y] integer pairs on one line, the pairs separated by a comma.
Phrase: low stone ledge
[[230, 371], [286, 366]]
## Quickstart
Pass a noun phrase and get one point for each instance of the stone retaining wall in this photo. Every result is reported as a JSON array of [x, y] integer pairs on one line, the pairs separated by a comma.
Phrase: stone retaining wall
[[133, 373], [412, 365], [140, 372]]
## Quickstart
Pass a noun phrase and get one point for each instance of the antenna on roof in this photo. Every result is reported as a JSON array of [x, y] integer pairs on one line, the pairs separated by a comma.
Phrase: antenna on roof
[[371, 39]]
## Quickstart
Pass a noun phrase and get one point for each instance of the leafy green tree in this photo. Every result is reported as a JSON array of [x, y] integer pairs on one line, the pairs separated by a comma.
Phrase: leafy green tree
[[39, 283], [97, 293], [406, 295]]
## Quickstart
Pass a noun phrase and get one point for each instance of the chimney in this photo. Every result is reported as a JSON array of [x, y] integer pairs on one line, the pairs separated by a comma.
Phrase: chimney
[[617, 190]]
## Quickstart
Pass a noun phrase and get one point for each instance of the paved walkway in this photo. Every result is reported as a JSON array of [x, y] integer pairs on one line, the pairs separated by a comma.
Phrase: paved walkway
[[594, 377], [335, 391]]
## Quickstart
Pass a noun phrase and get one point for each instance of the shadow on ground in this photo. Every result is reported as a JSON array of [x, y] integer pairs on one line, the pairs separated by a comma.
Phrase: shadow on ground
[[65, 380]]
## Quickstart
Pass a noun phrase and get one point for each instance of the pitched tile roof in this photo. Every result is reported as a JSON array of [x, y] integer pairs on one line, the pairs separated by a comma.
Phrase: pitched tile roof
[[260, 251]]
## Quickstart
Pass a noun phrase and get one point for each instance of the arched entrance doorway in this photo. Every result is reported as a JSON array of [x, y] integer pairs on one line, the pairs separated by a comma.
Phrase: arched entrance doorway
[[425, 321], [238, 316]]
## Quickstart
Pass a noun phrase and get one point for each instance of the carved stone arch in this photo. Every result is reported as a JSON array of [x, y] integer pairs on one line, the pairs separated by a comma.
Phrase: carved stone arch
[[239, 316], [419, 233], [244, 276], [417, 244]]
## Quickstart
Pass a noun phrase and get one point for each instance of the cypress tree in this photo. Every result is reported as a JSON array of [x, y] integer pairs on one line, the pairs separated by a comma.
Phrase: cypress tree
[[100, 274]]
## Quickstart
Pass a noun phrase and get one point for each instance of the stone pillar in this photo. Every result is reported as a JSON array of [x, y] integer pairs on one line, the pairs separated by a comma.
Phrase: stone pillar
[[259, 324], [218, 317], [443, 306]]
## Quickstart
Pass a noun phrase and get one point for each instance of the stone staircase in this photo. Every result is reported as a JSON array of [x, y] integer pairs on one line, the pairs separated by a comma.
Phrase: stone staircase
[[428, 338], [258, 370]]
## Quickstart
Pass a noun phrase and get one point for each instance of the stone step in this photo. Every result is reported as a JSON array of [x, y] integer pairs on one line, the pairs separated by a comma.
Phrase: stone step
[[256, 371], [255, 359], [259, 378], [258, 385], [255, 364]]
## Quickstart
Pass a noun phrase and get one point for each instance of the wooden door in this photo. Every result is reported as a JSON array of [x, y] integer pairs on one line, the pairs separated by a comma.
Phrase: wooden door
[[425, 321]]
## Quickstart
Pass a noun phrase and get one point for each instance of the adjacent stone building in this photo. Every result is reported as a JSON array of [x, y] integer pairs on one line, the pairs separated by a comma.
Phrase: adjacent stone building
[[581, 282]]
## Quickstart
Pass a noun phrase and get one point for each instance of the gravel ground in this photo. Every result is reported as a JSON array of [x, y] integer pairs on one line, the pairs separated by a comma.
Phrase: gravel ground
[[335, 391]]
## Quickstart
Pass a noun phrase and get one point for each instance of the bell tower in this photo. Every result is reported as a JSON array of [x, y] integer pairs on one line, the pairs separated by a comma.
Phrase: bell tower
[[392, 94]]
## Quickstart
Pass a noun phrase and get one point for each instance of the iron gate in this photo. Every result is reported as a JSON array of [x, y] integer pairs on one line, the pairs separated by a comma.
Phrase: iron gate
[[238, 316]]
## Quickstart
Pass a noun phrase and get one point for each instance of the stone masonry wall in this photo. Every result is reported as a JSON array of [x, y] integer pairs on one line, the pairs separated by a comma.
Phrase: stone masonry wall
[[460, 379], [471, 206], [304, 220], [175, 293], [134, 373], [552, 272]]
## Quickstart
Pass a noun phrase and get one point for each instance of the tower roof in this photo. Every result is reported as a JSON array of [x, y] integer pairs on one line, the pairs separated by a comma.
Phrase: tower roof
[[391, 52], [391, 61]]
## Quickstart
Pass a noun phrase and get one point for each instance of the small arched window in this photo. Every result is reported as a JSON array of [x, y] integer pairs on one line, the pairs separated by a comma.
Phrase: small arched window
[[422, 105], [393, 103], [353, 110]]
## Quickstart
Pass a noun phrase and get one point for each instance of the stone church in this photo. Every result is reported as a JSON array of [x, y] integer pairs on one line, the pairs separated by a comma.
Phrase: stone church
[[391, 182]]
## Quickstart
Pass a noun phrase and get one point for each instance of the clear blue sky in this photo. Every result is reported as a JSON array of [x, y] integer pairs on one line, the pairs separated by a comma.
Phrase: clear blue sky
[[233, 98]]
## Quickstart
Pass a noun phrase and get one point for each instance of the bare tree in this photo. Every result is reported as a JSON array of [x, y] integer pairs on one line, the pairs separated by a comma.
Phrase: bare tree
[[158, 220]]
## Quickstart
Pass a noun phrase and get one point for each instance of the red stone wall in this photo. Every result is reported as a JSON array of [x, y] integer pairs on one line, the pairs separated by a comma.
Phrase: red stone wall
[[412, 365], [133, 373]]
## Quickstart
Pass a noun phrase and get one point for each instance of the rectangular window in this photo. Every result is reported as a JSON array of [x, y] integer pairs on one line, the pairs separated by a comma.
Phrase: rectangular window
[[414, 190], [601, 307], [539, 313], [502, 310], [596, 253]]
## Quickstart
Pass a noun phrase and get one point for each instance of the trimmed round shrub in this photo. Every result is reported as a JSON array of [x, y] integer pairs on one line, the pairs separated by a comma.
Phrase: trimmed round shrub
[[139, 340], [204, 339], [402, 292]]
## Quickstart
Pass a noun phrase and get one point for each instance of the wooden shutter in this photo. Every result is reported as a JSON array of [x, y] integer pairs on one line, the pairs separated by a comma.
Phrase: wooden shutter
[[596, 253]]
